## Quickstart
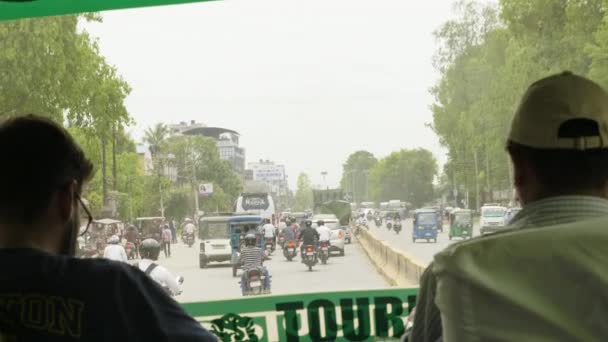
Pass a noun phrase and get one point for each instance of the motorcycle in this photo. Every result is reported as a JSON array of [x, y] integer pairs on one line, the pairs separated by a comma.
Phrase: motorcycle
[[131, 250], [369, 217], [282, 241], [323, 251], [269, 245], [189, 240], [253, 282], [378, 222], [309, 256], [289, 250], [397, 227], [389, 224]]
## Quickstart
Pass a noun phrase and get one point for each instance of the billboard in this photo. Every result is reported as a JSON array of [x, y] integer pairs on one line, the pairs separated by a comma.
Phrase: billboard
[[205, 189]]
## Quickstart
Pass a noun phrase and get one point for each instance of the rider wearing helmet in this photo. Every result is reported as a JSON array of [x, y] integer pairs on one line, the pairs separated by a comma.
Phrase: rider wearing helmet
[[308, 236], [114, 251], [252, 257], [149, 251], [324, 232]]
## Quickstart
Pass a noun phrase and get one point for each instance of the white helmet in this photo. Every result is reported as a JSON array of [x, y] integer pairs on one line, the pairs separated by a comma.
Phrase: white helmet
[[113, 240]]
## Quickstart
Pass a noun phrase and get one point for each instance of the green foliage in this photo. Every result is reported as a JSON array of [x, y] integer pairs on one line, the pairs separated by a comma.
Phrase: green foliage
[[487, 56], [197, 160], [355, 174], [406, 175], [303, 197]]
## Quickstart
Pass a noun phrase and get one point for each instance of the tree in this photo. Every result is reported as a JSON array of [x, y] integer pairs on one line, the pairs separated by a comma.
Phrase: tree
[[405, 175], [155, 138], [487, 56], [355, 173], [196, 160], [303, 197]]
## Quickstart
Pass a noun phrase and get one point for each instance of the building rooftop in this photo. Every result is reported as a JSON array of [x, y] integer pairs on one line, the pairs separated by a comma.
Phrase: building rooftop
[[212, 132]]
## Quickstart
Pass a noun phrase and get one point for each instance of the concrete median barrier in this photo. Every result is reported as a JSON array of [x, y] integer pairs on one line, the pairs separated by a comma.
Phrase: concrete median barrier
[[397, 267]]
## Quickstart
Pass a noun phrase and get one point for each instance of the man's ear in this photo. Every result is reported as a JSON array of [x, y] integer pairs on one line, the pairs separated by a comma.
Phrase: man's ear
[[524, 178], [66, 201]]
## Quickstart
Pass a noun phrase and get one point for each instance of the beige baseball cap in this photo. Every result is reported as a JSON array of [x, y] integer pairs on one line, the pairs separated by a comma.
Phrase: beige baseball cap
[[551, 104]]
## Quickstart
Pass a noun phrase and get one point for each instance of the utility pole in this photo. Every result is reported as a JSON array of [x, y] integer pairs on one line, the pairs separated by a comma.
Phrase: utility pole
[[324, 174], [366, 173]]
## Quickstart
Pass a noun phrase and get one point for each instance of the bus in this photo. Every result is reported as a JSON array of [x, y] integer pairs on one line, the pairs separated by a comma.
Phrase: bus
[[257, 203]]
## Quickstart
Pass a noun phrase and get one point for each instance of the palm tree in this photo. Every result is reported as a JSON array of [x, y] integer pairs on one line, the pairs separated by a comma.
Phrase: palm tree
[[155, 137]]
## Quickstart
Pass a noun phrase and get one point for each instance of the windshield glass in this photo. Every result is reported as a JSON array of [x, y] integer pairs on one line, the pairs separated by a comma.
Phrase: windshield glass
[[427, 219], [291, 109], [462, 218], [493, 212], [214, 230]]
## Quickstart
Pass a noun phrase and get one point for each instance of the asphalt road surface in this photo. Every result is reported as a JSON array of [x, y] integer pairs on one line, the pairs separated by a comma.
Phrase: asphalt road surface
[[420, 251], [353, 271]]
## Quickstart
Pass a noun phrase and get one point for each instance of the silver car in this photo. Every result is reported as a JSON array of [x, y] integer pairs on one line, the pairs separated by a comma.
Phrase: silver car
[[337, 233]]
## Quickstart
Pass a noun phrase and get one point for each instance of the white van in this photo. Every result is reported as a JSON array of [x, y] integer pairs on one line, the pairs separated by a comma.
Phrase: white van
[[258, 203], [493, 218]]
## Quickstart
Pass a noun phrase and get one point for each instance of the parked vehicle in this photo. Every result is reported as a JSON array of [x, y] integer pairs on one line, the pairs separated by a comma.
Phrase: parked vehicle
[[425, 225], [214, 237]]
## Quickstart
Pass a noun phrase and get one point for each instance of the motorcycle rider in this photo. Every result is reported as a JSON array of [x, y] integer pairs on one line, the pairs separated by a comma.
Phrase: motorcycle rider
[[149, 251], [324, 232], [189, 228], [269, 232], [252, 257], [309, 236], [114, 251], [289, 232], [361, 220]]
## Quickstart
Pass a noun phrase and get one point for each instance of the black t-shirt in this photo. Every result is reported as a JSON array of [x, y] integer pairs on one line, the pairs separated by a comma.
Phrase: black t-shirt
[[47, 297], [309, 236]]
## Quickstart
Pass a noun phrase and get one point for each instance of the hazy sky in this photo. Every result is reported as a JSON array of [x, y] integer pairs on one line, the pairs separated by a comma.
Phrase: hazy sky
[[305, 82]]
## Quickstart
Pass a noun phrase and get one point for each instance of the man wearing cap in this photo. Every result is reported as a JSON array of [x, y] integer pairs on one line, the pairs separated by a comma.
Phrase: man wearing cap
[[558, 144]]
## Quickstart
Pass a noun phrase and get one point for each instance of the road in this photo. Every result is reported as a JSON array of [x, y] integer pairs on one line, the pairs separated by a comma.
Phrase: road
[[420, 251], [354, 271]]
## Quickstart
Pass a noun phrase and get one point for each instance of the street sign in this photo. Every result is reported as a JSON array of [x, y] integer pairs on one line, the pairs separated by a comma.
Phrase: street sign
[[205, 190]]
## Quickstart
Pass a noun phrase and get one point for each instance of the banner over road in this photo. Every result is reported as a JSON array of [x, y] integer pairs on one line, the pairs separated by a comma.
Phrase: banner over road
[[17, 9]]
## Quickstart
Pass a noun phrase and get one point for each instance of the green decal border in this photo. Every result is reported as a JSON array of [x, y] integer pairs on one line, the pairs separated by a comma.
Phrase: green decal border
[[268, 303], [19, 9]]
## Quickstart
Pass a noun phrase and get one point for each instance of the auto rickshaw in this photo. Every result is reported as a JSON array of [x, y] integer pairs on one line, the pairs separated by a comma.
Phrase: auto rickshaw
[[237, 231], [461, 224], [100, 231], [149, 227], [426, 224]]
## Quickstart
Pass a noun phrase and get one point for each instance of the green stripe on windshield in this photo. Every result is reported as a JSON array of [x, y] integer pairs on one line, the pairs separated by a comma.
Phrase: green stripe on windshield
[[18, 9]]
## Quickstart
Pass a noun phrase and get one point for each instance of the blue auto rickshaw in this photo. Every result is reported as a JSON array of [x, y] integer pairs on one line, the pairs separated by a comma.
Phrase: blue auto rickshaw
[[237, 232], [426, 223]]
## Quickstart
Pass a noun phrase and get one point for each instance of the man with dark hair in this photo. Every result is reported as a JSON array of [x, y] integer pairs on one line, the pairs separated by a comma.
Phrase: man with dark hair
[[558, 144], [47, 294]]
